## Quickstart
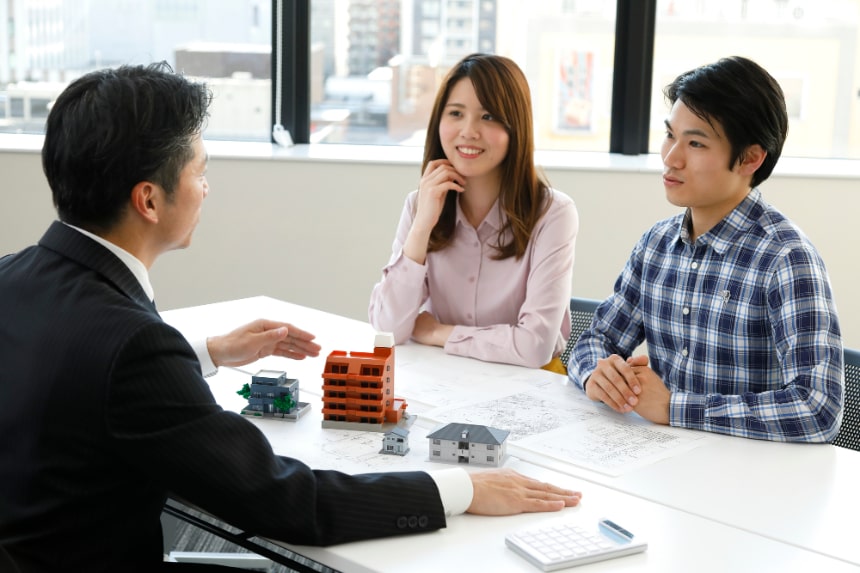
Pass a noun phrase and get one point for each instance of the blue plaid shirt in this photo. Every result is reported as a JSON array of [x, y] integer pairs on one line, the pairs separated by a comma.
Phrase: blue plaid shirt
[[740, 324]]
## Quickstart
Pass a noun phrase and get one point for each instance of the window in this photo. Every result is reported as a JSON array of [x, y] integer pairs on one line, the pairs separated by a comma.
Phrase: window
[[373, 66], [567, 49], [45, 44], [385, 96], [811, 48]]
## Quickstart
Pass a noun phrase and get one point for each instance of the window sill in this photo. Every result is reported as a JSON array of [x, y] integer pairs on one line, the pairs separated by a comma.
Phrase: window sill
[[399, 155], [573, 160]]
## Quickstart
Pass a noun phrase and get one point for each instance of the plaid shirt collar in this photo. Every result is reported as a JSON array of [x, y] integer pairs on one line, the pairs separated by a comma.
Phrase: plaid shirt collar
[[723, 235]]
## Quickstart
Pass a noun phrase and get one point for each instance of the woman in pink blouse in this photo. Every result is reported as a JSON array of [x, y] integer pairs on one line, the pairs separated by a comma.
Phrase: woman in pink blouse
[[483, 257]]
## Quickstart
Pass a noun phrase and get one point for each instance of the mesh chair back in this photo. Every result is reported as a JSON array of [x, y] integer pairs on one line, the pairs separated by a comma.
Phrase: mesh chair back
[[581, 313], [849, 433]]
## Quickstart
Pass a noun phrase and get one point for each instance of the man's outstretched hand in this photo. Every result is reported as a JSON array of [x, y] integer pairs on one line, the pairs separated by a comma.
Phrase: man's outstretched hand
[[259, 339]]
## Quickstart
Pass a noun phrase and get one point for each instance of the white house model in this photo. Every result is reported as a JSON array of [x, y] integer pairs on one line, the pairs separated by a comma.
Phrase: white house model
[[468, 444], [395, 441]]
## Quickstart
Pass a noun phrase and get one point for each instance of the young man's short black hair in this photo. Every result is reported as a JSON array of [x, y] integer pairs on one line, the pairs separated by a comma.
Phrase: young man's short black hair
[[114, 128], [744, 99]]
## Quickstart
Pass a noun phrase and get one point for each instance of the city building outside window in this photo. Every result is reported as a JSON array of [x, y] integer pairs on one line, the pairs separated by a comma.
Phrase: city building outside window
[[45, 44]]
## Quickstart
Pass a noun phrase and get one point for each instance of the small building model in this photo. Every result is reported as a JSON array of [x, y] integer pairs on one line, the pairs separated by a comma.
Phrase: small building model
[[468, 444], [395, 441], [358, 389], [274, 395]]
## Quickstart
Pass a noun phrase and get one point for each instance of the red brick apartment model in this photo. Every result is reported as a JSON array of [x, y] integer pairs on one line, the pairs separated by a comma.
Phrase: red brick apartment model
[[358, 387]]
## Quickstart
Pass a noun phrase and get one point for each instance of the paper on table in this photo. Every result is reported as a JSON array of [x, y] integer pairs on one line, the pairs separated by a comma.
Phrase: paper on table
[[611, 446], [558, 421]]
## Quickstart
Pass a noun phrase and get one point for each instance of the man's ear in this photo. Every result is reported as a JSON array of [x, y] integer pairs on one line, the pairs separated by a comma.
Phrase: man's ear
[[751, 159], [145, 198]]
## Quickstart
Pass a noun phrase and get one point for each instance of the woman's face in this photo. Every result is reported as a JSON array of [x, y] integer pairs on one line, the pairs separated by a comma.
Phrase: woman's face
[[474, 141]]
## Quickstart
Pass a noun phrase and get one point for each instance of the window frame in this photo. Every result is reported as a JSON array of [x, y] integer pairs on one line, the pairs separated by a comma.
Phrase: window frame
[[631, 82], [291, 40]]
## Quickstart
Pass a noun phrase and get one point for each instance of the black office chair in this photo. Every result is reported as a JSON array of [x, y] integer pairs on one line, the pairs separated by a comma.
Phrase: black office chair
[[581, 313], [849, 434]]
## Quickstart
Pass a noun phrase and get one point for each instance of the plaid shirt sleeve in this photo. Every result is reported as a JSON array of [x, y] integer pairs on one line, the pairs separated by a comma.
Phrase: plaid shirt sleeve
[[617, 327], [806, 404]]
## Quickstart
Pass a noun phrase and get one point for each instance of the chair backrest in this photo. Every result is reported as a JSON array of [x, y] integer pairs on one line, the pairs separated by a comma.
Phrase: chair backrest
[[581, 313], [849, 433]]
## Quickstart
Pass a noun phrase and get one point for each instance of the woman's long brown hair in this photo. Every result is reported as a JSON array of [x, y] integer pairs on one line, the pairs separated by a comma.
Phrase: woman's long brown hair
[[503, 90]]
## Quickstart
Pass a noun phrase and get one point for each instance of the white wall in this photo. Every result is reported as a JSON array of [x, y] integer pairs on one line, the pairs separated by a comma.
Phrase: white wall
[[317, 231]]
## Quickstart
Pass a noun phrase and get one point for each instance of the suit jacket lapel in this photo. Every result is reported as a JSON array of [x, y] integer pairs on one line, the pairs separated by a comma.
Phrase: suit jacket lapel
[[83, 250]]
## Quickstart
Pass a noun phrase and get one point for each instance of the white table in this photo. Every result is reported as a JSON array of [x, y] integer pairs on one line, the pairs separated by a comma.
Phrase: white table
[[729, 505]]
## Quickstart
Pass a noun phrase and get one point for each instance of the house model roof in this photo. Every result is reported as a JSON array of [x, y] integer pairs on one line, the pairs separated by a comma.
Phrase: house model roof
[[474, 433], [398, 431]]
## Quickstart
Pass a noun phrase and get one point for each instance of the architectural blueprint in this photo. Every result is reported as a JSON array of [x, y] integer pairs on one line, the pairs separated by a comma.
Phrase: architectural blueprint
[[556, 420]]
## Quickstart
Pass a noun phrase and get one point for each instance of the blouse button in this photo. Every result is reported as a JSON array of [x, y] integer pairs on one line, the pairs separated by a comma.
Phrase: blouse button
[[686, 311], [694, 264], [684, 352]]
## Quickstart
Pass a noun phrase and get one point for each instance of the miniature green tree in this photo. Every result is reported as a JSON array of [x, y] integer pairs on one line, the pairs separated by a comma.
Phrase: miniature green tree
[[284, 403], [245, 392]]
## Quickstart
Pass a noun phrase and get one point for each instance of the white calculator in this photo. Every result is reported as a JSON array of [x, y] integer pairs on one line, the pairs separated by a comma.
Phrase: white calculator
[[559, 545]]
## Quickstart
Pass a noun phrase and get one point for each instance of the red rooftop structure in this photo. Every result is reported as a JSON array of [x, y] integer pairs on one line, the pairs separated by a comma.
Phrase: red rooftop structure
[[358, 388]]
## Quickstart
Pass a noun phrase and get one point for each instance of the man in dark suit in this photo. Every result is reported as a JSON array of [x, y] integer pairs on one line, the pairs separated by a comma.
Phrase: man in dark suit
[[103, 408]]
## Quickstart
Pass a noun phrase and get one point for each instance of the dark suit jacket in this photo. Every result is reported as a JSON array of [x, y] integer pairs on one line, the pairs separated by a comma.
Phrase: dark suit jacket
[[103, 412]]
